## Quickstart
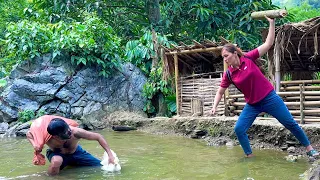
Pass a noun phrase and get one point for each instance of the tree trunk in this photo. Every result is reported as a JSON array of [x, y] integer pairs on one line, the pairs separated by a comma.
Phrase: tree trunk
[[155, 58], [153, 9]]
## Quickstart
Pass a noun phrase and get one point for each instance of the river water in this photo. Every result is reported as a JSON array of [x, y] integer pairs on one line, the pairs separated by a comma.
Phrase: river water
[[146, 156]]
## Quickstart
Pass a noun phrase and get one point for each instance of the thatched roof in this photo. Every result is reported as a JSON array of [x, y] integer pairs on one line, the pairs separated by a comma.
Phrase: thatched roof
[[199, 57], [296, 45]]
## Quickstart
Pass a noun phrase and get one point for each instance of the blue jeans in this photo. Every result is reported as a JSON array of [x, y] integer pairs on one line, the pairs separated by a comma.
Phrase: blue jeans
[[273, 105], [79, 158]]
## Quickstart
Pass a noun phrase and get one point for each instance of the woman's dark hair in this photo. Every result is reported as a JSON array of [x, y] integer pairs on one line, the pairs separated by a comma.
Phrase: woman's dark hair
[[232, 48], [57, 126]]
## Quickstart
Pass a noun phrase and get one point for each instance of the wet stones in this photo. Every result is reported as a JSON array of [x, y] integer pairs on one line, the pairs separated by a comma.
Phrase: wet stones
[[291, 149]]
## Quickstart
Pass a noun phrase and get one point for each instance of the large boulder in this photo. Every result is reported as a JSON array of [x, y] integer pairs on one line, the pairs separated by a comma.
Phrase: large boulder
[[79, 93]]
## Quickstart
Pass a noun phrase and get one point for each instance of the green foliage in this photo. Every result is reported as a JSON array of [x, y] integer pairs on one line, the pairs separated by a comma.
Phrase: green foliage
[[3, 83], [25, 40], [40, 113], [91, 42], [214, 131], [27, 115], [287, 77], [154, 85], [211, 19], [304, 12], [316, 75], [11, 11], [296, 3], [181, 19], [140, 52], [62, 10], [171, 103]]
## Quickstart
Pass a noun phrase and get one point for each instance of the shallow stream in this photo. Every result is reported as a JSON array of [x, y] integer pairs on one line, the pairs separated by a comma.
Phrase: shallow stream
[[146, 156]]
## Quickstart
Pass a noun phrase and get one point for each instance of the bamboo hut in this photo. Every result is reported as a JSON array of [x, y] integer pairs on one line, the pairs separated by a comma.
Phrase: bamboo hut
[[197, 69], [294, 69], [296, 55], [295, 52]]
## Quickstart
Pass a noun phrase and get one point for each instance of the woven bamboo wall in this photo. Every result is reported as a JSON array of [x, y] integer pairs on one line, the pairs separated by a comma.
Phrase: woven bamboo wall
[[196, 95]]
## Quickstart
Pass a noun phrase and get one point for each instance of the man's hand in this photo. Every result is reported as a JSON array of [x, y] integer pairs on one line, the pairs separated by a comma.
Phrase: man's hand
[[111, 159], [37, 149], [81, 133]]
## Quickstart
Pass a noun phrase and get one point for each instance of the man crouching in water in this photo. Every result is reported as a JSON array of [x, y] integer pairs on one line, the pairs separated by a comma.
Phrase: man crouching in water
[[65, 150]]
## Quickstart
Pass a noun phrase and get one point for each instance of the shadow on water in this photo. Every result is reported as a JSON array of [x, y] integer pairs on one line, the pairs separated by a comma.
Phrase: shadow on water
[[145, 156]]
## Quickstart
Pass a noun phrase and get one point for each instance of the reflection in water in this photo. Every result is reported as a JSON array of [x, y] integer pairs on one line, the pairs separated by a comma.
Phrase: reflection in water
[[145, 156]]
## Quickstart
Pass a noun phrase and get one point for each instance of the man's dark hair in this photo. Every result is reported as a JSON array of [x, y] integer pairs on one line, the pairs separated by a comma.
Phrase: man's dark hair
[[57, 126]]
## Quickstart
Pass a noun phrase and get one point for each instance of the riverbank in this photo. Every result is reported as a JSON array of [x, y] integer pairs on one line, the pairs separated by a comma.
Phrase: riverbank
[[265, 133]]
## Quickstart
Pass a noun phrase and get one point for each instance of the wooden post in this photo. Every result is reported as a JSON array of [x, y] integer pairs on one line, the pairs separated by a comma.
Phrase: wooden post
[[301, 103], [277, 74], [176, 75], [226, 93]]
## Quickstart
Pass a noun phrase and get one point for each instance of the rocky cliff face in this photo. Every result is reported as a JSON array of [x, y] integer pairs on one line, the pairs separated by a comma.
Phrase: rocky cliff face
[[58, 88]]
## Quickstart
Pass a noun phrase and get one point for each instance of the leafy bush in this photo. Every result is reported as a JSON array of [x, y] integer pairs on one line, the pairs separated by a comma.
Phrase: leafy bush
[[3, 83], [171, 104], [91, 42], [27, 115], [154, 85], [304, 12], [140, 52]]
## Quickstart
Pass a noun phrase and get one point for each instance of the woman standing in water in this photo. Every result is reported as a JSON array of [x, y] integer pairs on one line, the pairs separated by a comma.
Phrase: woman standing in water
[[258, 92]]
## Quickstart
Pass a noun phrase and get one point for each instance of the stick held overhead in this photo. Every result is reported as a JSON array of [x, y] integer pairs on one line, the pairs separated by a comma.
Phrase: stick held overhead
[[279, 13]]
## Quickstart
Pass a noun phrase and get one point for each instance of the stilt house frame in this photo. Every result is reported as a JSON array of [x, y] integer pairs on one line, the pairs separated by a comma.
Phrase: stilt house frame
[[198, 69]]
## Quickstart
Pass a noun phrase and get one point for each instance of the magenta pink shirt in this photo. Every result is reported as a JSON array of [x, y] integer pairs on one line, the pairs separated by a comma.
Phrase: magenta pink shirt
[[249, 79]]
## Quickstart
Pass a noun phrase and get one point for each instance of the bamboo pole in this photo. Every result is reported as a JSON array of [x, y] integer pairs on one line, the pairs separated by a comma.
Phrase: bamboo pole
[[306, 98], [292, 93], [235, 96], [226, 92], [277, 75], [279, 13], [304, 103], [314, 81], [294, 112], [298, 88], [195, 50], [301, 104], [176, 71], [307, 117]]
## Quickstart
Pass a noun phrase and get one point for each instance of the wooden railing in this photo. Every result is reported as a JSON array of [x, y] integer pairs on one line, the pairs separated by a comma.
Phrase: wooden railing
[[302, 98]]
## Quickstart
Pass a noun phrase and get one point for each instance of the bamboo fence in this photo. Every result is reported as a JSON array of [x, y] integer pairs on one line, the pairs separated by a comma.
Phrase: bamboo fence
[[197, 94], [302, 98]]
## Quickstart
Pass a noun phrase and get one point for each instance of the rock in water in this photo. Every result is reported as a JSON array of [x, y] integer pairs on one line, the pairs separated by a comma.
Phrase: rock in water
[[123, 128], [110, 167]]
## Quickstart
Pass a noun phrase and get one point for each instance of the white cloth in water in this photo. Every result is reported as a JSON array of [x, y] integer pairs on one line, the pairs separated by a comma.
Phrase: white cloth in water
[[110, 167]]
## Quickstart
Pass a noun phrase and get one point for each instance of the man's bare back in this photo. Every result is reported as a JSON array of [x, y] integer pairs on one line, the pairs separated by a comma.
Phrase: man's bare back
[[64, 148]]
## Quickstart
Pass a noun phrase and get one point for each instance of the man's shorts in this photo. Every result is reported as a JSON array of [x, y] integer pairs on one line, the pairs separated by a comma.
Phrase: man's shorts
[[79, 158]]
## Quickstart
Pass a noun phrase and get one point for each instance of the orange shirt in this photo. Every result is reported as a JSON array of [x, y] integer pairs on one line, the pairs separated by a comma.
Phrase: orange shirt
[[40, 135]]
